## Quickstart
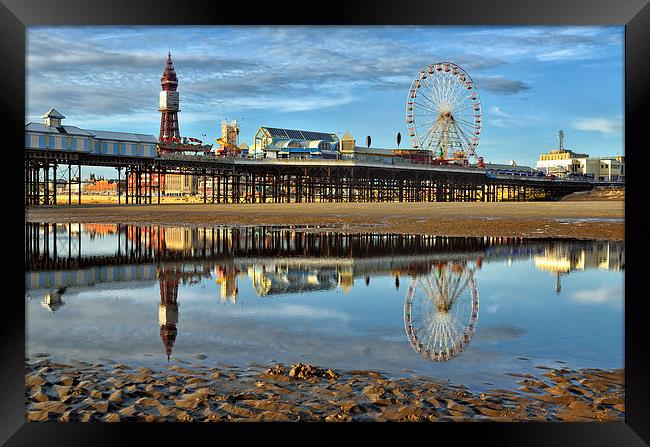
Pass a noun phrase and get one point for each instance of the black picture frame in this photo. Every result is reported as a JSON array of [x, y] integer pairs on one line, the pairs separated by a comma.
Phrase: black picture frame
[[15, 15]]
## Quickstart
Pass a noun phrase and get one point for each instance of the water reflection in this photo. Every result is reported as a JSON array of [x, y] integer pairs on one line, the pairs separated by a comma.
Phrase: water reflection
[[441, 310], [52, 301], [441, 305], [561, 259], [169, 277]]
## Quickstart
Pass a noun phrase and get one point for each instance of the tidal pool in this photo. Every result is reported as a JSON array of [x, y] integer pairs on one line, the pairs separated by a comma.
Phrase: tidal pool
[[468, 310]]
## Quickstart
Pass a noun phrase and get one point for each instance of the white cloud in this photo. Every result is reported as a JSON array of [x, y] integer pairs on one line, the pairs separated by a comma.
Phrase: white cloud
[[495, 110], [498, 118], [296, 104], [602, 125], [610, 295], [563, 54]]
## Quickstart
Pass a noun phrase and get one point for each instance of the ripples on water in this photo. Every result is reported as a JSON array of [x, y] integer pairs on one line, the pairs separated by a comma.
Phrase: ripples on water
[[464, 309]]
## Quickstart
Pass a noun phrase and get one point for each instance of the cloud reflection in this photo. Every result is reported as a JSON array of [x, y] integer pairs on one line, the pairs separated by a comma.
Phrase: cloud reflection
[[274, 267]]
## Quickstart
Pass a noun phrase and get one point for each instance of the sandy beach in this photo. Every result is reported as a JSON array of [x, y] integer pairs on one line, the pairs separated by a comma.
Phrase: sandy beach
[[113, 392], [584, 219], [190, 391]]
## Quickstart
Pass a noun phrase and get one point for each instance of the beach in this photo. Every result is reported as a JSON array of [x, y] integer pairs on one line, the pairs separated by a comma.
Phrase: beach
[[582, 219], [185, 392]]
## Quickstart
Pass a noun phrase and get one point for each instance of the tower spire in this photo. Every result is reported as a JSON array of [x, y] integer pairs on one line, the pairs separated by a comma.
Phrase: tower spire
[[169, 103]]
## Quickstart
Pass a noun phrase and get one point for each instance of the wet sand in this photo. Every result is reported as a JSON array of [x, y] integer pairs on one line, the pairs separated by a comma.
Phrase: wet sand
[[565, 219], [113, 392]]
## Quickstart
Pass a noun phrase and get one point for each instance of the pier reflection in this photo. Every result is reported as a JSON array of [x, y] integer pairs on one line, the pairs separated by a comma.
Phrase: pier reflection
[[441, 304]]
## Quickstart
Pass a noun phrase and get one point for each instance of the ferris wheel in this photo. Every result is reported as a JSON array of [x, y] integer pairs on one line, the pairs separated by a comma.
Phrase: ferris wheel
[[443, 112], [441, 311]]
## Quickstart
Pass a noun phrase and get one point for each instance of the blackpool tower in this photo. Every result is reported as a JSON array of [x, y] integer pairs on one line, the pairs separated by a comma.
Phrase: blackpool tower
[[169, 104]]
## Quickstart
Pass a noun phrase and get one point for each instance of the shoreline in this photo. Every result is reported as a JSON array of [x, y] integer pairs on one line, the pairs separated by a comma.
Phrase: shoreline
[[81, 391], [565, 219]]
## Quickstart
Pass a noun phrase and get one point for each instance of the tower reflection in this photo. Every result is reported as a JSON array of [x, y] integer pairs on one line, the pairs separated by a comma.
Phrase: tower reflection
[[169, 277], [441, 305], [168, 308]]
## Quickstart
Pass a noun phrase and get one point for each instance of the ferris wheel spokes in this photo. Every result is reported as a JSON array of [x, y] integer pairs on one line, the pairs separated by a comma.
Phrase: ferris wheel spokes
[[443, 112]]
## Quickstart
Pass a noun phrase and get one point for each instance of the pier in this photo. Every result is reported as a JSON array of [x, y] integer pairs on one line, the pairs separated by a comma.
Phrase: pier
[[239, 180]]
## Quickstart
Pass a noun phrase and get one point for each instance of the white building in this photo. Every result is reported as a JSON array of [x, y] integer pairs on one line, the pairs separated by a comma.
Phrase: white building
[[567, 163]]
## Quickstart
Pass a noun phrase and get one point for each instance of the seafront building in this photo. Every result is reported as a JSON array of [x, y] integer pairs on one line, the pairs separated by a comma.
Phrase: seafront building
[[563, 162], [51, 134], [568, 163]]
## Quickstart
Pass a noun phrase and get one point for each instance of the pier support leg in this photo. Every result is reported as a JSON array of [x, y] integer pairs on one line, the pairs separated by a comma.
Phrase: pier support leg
[[79, 193]]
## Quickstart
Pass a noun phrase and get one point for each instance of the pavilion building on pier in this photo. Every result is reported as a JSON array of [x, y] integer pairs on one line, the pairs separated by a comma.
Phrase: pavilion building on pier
[[288, 143]]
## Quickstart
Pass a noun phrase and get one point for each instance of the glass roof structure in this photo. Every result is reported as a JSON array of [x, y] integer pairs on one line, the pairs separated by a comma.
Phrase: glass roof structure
[[300, 134]]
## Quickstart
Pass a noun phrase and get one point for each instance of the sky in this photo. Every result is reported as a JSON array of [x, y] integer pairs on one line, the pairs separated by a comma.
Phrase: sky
[[532, 81]]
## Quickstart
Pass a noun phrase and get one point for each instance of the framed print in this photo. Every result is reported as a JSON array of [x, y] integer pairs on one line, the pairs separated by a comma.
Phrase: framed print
[[410, 213]]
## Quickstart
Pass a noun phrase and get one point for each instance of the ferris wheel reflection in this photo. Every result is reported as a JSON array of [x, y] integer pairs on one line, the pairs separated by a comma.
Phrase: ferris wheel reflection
[[441, 309]]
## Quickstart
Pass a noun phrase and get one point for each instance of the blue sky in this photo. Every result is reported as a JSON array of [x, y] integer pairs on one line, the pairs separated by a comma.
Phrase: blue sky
[[532, 81]]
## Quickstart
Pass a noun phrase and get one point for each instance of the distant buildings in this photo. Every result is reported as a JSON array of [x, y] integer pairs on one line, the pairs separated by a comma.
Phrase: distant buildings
[[63, 186], [568, 163], [100, 186], [563, 162], [180, 185]]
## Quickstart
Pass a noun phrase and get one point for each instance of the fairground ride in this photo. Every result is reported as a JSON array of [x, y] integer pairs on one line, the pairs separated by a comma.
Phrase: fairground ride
[[443, 114], [226, 149], [183, 146]]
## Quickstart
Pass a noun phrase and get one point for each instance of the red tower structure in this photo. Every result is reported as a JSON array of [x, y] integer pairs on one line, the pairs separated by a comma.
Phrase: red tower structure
[[170, 136], [169, 104]]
